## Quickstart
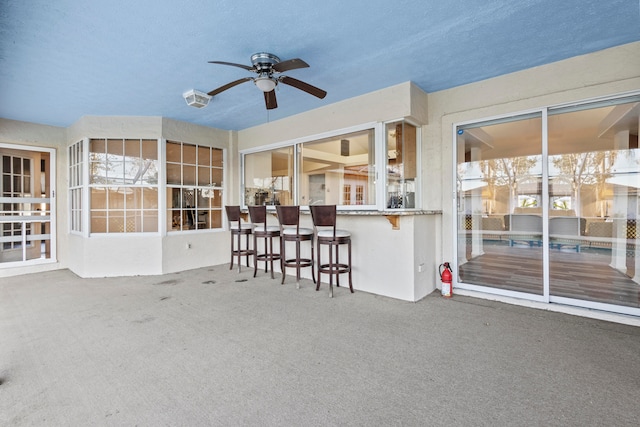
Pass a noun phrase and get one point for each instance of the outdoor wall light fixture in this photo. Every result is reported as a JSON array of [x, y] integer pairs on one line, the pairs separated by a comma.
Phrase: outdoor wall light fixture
[[197, 99]]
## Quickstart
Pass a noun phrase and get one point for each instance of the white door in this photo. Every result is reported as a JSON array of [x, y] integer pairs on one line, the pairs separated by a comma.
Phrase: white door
[[26, 205]]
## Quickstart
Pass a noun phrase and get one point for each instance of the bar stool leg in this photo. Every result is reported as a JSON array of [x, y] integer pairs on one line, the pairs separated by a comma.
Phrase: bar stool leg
[[350, 268], [255, 257], [319, 263], [283, 257], [331, 269], [239, 255], [337, 265], [231, 263], [271, 255], [297, 264], [313, 276], [248, 253]]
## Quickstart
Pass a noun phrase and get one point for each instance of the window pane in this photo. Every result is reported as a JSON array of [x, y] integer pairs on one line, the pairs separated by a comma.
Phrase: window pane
[[269, 177], [174, 174], [401, 165], [134, 167], [150, 198], [204, 158], [189, 154], [133, 197], [115, 198], [216, 177], [132, 148], [173, 152], [499, 180], [17, 166], [330, 166], [188, 175], [98, 198], [203, 176], [98, 221], [98, 159], [116, 222], [216, 219], [594, 177], [150, 221], [216, 157], [150, 149]]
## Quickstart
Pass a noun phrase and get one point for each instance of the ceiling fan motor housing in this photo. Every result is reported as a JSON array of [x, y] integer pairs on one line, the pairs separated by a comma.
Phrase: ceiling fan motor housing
[[263, 62]]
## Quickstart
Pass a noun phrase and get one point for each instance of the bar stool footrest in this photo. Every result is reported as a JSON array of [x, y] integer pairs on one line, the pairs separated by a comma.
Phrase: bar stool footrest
[[302, 262], [335, 269]]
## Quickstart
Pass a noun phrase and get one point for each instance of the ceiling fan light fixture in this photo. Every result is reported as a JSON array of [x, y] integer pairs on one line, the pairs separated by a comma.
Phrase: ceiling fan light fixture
[[265, 84], [195, 98]]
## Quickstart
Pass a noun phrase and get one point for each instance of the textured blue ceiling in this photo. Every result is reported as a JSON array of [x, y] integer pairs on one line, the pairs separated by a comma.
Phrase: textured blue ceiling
[[62, 59]]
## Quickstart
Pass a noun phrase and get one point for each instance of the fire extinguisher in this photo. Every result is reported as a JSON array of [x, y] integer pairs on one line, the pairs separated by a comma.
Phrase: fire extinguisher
[[446, 276]]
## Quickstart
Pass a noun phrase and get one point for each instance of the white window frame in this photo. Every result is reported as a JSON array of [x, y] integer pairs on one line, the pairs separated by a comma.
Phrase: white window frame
[[380, 174]]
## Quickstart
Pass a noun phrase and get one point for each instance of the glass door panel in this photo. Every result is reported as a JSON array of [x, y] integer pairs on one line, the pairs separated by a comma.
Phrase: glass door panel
[[499, 188], [25, 207], [594, 165]]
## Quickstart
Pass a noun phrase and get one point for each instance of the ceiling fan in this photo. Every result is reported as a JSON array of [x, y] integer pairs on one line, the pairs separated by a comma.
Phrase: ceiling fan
[[268, 68]]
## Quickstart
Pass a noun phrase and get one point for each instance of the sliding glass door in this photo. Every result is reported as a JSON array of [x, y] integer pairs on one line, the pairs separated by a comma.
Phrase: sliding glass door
[[594, 177], [547, 205], [499, 204]]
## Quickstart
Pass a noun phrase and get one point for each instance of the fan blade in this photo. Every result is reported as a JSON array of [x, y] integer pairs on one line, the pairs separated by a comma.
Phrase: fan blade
[[229, 86], [312, 90], [270, 100], [290, 64], [233, 64]]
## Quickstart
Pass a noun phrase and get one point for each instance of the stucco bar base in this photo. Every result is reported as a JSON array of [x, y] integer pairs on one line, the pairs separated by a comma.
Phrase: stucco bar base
[[393, 252]]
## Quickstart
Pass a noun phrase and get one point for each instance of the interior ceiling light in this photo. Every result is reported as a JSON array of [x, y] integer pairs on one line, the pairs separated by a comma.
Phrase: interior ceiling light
[[195, 98], [265, 83]]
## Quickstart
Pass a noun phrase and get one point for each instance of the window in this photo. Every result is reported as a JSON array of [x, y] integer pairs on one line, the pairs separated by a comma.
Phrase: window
[[75, 186], [346, 194], [401, 164], [194, 186], [123, 181], [340, 162], [338, 169], [268, 177]]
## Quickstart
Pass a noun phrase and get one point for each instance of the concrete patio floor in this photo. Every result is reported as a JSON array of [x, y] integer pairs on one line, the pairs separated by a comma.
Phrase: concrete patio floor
[[214, 347]]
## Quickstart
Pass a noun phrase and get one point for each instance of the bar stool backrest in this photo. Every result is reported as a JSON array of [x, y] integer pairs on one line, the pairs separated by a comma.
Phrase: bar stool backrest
[[233, 215], [324, 216], [258, 215], [289, 216]]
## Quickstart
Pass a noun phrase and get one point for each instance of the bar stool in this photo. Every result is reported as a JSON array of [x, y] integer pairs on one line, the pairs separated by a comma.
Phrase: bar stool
[[238, 229], [290, 231], [258, 216], [324, 225]]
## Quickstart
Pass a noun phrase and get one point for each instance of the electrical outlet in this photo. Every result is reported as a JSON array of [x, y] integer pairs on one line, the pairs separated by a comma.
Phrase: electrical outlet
[[188, 245]]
